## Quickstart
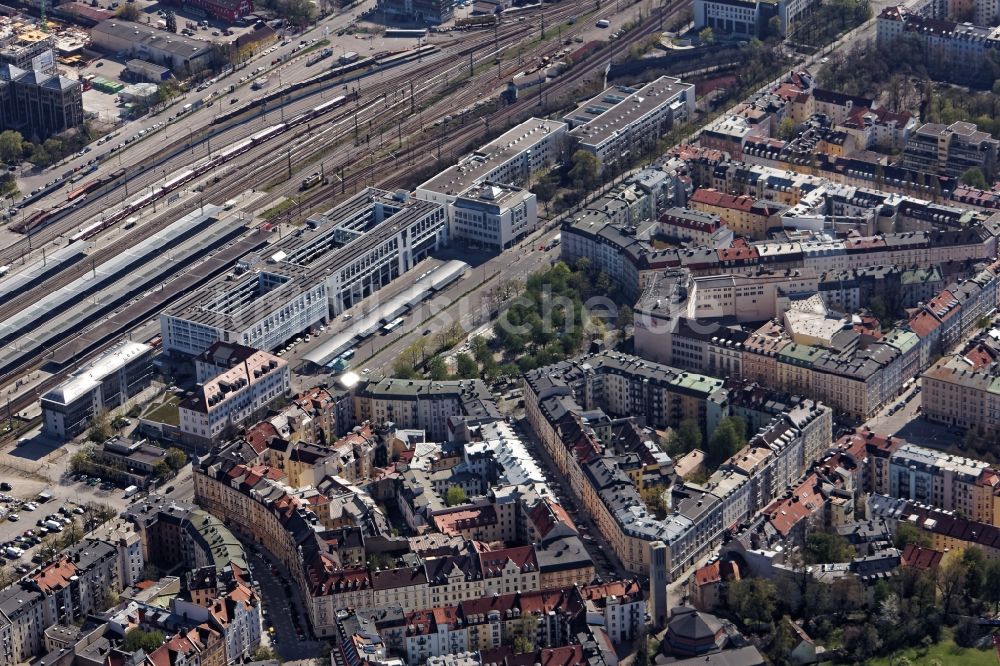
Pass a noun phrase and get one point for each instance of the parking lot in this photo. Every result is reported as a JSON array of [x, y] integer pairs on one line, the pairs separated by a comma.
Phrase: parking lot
[[29, 525]]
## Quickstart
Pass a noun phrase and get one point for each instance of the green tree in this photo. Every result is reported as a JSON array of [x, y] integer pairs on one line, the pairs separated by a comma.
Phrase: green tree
[[774, 27], [448, 337], [782, 642], [862, 643], [626, 316], [523, 645], [168, 90], [545, 189], [753, 599], [878, 307], [100, 427], [129, 11], [48, 547], [685, 438], [727, 438], [80, 461], [991, 585], [786, 129], [455, 496], [162, 470], [299, 13], [480, 348], [140, 639], [466, 366], [907, 534], [823, 547], [975, 572], [437, 369], [974, 177], [71, 535], [11, 146], [707, 36], [585, 170], [265, 653], [176, 458]]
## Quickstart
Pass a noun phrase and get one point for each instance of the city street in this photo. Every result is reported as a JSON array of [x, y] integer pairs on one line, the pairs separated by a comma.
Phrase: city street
[[281, 603], [461, 301], [605, 562]]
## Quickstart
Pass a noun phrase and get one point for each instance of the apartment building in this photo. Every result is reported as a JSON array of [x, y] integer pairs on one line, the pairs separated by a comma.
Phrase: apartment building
[[79, 581], [619, 606], [423, 404], [104, 384], [926, 476], [684, 225], [232, 397], [948, 531], [948, 42], [951, 150], [564, 403], [746, 216]]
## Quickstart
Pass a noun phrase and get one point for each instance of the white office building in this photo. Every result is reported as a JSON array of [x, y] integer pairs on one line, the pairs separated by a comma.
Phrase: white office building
[[107, 382], [493, 216], [623, 121], [511, 159]]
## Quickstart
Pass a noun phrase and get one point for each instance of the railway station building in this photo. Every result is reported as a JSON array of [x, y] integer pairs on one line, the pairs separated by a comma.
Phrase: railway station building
[[310, 276], [107, 382]]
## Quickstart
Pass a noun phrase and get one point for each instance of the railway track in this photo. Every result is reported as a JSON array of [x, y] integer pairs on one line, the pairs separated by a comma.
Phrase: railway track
[[374, 105], [180, 158], [396, 118], [424, 151]]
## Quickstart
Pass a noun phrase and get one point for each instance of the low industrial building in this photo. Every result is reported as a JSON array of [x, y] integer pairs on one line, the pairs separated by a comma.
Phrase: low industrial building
[[127, 461], [147, 71], [107, 382], [183, 55]]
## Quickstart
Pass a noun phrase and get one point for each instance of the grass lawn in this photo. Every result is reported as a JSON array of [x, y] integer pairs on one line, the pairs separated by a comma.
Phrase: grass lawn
[[166, 412], [947, 653]]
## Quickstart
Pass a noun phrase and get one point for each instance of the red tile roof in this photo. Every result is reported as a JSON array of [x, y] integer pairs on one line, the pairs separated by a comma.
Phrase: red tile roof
[[921, 558], [806, 499], [923, 323], [56, 576], [710, 197], [493, 562]]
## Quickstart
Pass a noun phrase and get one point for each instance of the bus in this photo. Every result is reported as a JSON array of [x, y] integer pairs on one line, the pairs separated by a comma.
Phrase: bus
[[392, 325]]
